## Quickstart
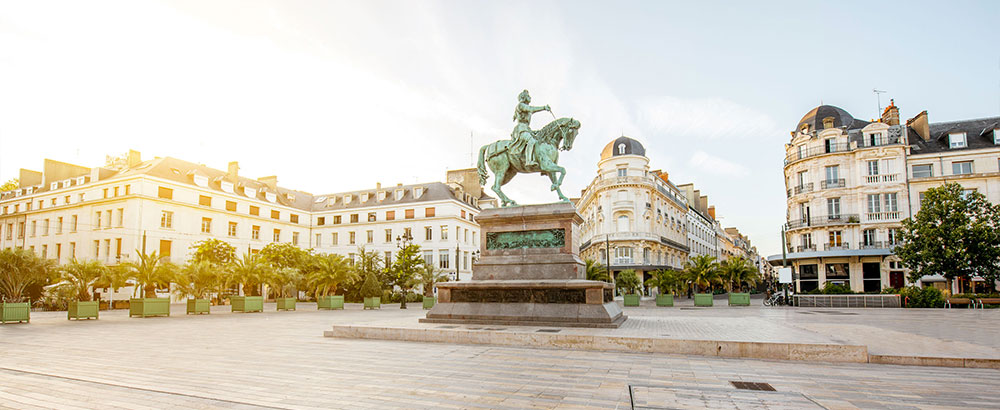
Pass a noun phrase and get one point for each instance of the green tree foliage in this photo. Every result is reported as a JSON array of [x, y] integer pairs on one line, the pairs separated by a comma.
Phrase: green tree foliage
[[149, 272], [736, 271], [328, 272], [250, 270], [408, 262], [218, 253], [702, 272], [285, 255], [77, 277], [915, 297], [10, 185], [666, 281], [371, 288], [597, 271], [196, 279], [427, 277], [19, 269], [284, 281], [373, 262], [953, 235], [627, 282]]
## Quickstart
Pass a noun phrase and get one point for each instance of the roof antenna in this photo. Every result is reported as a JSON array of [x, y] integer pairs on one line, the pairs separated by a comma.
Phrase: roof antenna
[[878, 96]]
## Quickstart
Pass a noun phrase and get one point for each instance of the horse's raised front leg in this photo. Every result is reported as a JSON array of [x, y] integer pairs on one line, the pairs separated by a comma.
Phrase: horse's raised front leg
[[551, 169]]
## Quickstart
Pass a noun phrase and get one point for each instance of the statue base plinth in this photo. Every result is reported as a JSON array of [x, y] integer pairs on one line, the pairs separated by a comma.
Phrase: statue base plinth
[[530, 274]]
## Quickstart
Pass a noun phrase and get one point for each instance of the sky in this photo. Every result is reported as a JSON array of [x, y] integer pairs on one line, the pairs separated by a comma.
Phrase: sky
[[336, 96]]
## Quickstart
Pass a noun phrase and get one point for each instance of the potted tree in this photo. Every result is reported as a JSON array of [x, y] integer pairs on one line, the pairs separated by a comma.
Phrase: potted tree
[[283, 281], [19, 269], [408, 262], [249, 271], [665, 281], [597, 271], [327, 272], [149, 273], [114, 278], [736, 271], [194, 282], [77, 278], [628, 284], [428, 277], [702, 272], [371, 290]]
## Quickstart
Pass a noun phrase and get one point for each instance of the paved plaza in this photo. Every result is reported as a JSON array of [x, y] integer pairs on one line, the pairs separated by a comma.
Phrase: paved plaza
[[281, 360]]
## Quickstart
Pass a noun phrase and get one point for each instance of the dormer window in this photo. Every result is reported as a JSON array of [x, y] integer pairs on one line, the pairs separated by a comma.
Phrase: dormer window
[[996, 136], [270, 196], [81, 180], [399, 194], [227, 186], [290, 196], [364, 197], [54, 186], [381, 196], [874, 139], [621, 149], [201, 180], [67, 183], [418, 192], [956, 140], [827, 122], [804, 129], [250, 192]]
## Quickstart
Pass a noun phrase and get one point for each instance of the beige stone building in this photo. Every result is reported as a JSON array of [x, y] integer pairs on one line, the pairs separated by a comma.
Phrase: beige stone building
[[110, 213], [850, 183], [634, 217]]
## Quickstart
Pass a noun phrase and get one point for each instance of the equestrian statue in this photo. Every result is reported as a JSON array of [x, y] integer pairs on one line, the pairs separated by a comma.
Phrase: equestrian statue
[[528, 151]]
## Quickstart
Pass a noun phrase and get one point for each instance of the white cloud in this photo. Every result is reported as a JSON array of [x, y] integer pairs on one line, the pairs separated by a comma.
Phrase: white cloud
[[709, 163], [704, 118]]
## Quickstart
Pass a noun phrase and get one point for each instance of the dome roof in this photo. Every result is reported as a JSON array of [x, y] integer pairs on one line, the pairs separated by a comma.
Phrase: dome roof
[[814, 118], [622, 146]]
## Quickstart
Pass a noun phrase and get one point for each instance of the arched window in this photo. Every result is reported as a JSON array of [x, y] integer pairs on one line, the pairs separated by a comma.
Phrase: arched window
[[621, 149], [623, 223]]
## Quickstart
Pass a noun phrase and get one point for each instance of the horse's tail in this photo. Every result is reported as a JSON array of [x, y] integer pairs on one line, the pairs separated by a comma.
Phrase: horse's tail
[[482, 165]]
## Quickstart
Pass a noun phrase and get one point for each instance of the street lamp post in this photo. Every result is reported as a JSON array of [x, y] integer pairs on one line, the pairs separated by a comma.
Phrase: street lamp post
[[402, 242]]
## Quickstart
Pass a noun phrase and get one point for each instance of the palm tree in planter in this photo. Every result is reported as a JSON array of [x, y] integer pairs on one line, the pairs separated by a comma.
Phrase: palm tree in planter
[[114, 278], [628, 285], [327, 272], [702, 271], [283, 281], [371, 290], [666, 282], [20, 269], [150, 272], [195, 281], [251, 271], [734, 272], [78, 277], [428, 277], [597, 271]]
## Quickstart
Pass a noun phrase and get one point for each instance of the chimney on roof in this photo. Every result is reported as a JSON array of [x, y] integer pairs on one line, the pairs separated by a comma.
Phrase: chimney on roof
[[891, 114], [378, 186], [234, 171], [711, 211], [703, 204], [270, 181], [920, 125], [133, 158]]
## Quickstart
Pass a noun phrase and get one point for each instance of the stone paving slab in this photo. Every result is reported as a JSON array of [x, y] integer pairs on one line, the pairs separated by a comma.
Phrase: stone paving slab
[[280, 360]]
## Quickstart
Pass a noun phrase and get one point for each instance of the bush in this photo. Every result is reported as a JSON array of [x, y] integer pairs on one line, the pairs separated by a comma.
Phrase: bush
[[371, 288], [890, 291], [391, 296], [929, 297]]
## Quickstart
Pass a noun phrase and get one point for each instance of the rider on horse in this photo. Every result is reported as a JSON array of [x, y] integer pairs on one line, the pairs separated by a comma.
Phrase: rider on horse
[[522, 135]]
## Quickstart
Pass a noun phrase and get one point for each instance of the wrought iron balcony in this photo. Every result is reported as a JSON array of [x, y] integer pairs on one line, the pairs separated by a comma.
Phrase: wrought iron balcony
[[836, 246], [841, 219], [805, 248], [832, 183]]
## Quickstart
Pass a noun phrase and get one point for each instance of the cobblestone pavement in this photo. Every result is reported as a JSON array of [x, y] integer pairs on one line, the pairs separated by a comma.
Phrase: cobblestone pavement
[[281, 360]]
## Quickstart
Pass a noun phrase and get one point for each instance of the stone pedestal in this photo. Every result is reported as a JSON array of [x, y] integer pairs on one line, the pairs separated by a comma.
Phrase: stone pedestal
[[529, 273]]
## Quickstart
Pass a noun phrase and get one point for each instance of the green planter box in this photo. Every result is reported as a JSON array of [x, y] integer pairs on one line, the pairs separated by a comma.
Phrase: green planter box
[[703, 299], [373, 303], [330, 302], [285, 303], [145, 307], [198, 306], [664, 300], [247, 304], [82, 310], [15, 312], [632, 300], [429, 302], [739, 299]]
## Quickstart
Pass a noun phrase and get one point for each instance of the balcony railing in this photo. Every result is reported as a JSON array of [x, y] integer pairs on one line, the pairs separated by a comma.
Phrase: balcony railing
[[879, 179], [873, 245], [882, 216], [835, 148], [623, 261], [841, 219], [832, 183], [803, 188], [805, 248], [836, 246]]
